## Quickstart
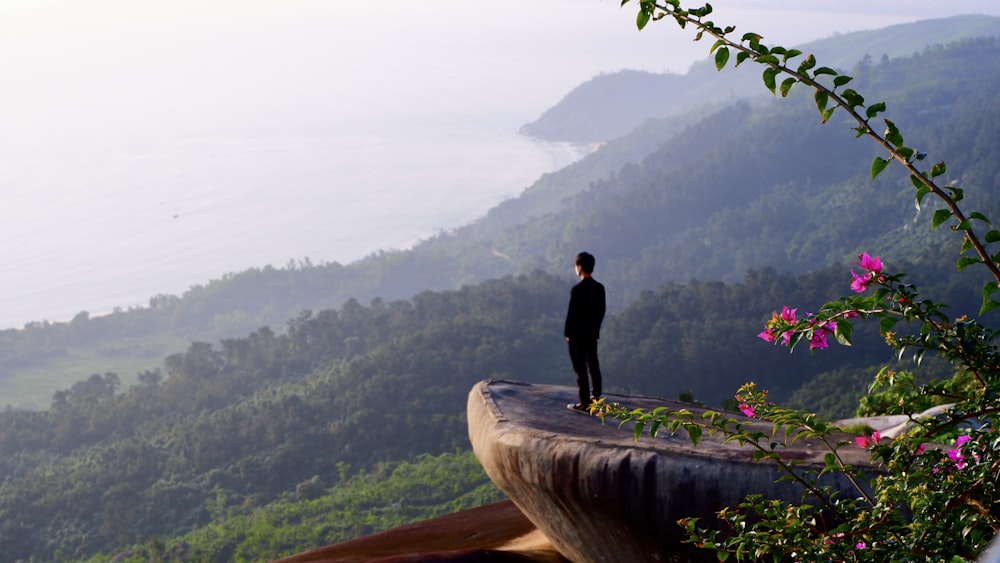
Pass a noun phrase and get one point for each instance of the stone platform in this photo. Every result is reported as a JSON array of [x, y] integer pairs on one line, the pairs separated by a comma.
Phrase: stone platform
[[597, 494]]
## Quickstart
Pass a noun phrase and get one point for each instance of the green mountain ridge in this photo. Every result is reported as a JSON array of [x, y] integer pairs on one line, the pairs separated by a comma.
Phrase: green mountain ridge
[[613, 104]]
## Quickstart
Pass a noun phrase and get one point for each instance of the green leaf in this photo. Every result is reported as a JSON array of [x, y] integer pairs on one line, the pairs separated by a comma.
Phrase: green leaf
[[786, 85], [940, 216], [886, 324], [741, 56], [694, 432], [769, 78], [642, 19], [841, 80], [892, 134], [843, 331], [988, 306], [938, 169], [993, 236], [752, 38], [721, 58], [808, 63], [791, 54], [921, 192], [989, 289], [874, 109], [822, 98], [852, 98], [878, 165], [966, 261], [979, 216]]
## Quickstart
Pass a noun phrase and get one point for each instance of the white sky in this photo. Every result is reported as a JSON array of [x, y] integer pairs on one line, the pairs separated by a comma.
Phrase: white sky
[[72, 66]]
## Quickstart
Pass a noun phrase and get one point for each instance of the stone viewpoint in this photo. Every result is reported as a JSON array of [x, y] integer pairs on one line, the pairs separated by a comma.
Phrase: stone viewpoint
[[597, 494]]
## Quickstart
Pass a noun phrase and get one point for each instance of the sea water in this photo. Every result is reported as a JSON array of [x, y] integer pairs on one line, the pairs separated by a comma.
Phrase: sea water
[[92, 226]]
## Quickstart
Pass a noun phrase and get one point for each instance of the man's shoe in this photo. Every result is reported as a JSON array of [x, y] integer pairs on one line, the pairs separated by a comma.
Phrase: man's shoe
[[578, 407]]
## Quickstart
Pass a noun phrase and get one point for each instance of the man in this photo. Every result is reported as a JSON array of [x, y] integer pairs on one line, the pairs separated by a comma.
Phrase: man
[[583, 328]]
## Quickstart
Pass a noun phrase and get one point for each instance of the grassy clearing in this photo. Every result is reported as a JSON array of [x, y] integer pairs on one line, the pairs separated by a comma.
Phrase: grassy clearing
[[32, 387]]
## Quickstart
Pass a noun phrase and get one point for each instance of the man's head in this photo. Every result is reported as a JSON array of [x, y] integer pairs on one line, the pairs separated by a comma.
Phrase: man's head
[[586, 262]]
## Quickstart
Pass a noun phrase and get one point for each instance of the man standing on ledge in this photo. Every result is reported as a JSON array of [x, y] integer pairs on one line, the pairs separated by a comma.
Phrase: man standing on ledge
[[583, 328]]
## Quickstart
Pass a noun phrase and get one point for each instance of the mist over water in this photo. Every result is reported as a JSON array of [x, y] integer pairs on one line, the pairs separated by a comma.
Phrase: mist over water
[[163, 216], [148, 148]]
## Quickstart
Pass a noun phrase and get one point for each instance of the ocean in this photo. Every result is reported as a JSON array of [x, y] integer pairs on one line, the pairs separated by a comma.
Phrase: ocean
[[158, 216]]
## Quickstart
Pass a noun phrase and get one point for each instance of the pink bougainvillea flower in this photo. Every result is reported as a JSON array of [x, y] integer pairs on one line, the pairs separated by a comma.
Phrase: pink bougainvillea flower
[[788, 315], [861, 545], [869, 263], [747, 410], [957, 457], [873, 268], [818, 340], [858, 284], [956, 454], [786, 337], [865, 442], [767, 335]]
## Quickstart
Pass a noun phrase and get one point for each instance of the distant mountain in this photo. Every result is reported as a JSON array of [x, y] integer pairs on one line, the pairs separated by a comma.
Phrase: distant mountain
[[707, 195], [611, 105]]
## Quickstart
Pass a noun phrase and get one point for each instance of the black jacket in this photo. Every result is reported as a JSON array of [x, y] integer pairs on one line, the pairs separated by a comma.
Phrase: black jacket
[[586, 310]]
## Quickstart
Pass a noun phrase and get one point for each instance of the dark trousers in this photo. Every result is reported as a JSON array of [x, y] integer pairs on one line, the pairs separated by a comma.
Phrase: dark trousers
[[583, 355]]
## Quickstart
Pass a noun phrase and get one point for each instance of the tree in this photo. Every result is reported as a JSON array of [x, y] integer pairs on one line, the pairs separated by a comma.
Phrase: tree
[[938, 500]]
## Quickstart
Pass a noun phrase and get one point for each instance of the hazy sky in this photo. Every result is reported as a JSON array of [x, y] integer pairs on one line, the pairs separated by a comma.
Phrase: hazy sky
[[94, 92], [81, 68]]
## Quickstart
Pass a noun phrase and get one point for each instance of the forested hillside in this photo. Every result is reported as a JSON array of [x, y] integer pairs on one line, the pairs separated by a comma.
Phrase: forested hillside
[[702, 226], [225, 430]]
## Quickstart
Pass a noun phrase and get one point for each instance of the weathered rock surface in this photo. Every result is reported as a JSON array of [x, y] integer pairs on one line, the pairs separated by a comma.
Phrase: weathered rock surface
[[599, 495], [496, 532]]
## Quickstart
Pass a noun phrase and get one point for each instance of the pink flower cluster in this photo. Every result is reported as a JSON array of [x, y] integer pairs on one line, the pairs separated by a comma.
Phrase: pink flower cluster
[[787, 317], [820, 332], [769, 334], [872, 267], [747, 410], [865, 442], [956, 454]]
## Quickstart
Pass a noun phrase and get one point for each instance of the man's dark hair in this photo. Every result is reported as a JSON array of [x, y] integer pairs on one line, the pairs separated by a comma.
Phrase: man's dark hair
[[586, 262]]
